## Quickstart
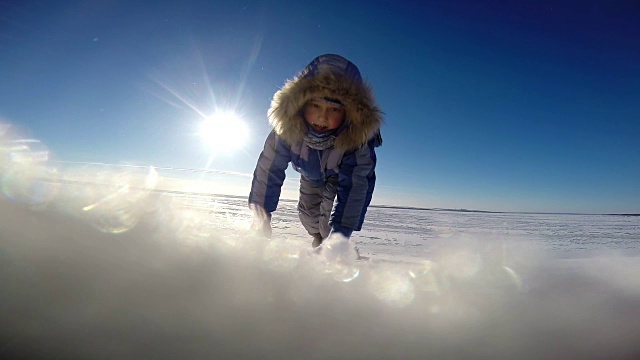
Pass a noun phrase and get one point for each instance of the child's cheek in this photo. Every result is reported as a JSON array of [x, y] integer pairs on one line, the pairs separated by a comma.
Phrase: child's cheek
[[308, 116]]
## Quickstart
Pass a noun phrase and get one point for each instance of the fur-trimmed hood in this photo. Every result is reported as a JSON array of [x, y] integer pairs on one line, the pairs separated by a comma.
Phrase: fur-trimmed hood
[[327, 76]]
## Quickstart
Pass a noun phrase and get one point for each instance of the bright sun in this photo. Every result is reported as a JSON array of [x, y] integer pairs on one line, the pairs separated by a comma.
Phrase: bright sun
[[224, 131]]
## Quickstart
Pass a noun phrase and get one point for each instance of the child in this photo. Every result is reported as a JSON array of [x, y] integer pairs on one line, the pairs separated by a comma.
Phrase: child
[[327, 125]]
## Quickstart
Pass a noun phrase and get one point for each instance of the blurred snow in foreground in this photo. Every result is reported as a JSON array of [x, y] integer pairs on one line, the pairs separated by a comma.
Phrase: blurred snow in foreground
[[104, 262]]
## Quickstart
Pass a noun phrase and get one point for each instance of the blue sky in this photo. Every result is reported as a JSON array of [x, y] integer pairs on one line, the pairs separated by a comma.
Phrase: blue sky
[[507, 106]]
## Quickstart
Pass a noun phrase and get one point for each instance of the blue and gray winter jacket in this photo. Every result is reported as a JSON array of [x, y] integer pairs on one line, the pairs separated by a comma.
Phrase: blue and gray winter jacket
[[352, 159]]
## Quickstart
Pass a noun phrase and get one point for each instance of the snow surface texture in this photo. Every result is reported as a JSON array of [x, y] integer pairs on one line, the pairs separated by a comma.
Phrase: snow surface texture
[[95, 262]]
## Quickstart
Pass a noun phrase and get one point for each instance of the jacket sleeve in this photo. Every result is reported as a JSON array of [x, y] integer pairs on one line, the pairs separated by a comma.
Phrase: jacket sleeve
[[356, 182], [269, 174]]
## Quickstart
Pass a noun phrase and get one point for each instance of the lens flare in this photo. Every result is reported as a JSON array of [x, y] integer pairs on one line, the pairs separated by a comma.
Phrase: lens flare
[[392, 286], [26, 176], [282, 254], [462, 264], [118, 199], [35, 186], [425, 278]]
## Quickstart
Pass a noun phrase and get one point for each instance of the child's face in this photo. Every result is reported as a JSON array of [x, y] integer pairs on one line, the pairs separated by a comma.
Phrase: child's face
[[323, 115]]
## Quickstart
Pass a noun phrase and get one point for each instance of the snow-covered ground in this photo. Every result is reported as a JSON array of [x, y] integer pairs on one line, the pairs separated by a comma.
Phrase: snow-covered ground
[[110, 268]]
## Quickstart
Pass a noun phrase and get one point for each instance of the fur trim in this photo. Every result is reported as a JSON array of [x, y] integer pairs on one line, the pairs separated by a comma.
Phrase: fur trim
[[322, 79]]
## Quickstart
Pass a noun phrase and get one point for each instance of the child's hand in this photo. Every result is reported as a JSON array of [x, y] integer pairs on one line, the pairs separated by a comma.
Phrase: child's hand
[[261, 229], [338, 248], [261, 225]]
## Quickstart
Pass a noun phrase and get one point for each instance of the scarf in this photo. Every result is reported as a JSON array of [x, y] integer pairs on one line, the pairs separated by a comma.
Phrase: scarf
[[322, 140], [319, 141]]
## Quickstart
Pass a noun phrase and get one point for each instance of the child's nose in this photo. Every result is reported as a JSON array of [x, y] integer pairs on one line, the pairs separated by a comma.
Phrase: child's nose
[[324, 114]]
